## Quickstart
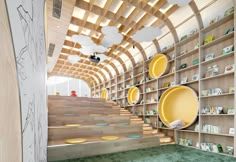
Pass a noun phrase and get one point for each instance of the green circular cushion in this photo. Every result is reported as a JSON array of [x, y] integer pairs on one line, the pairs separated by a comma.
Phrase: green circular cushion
[[134, 136], [102, 124]]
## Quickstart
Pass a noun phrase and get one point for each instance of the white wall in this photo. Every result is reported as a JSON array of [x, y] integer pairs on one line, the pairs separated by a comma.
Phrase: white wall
[[65, 85]]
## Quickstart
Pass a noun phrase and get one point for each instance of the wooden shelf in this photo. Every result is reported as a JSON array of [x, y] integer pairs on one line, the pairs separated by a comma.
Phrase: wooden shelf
[[190, 82], [224, 94], [168, 50], [217, 76], [163, 88], [188, 39], [221, 57], [218, 23], [216, 114], [137, 75], [218, 40], [187, 68], [165, 128], [172, 60], [154, 91], [218, 134], [152, 80], [153, 103], [185, 130], [166, 75], [188, 54], [150, 115]]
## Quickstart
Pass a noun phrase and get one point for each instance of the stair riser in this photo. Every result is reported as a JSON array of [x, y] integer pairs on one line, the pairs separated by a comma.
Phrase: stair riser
[[63, 120], [61, 111], [53, 97], [91, 149], [91, 131], [77, 104]]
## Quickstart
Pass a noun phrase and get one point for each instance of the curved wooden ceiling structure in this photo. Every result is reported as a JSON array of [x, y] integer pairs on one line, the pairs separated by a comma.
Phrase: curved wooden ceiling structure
[[87, 17]]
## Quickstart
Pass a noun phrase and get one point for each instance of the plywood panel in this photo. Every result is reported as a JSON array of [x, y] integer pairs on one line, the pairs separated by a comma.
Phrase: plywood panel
[[10, 124]]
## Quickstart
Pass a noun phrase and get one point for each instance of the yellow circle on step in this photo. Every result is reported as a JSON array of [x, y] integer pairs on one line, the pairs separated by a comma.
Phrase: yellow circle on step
[[75, 140], [72, 125], [158, 66], [110, 138]]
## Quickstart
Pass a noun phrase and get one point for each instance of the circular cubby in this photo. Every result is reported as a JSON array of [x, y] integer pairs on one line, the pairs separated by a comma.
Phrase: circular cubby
[[178, 103], [158, 66], [104, 94], [134, 96]]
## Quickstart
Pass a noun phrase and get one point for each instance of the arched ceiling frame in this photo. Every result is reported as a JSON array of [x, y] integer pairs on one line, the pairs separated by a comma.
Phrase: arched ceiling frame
[[98, 11], [68, 71], [70, 44], [62, 61], [148, 9], [65, 65], [94, 27], [84, 61], [197, 14]]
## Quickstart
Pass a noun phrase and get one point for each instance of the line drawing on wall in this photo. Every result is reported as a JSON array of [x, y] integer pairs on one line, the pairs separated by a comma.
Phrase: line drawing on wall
[[27, 26]]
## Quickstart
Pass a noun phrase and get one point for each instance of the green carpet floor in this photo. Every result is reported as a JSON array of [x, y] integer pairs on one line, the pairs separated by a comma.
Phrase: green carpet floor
[[167, 153]]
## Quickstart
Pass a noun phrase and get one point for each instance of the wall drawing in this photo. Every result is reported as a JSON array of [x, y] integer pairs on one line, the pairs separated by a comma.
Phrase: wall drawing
[[27, 26]]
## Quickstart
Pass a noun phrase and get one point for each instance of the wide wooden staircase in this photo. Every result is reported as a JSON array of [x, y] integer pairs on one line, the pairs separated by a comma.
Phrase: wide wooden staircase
[[92, 119]]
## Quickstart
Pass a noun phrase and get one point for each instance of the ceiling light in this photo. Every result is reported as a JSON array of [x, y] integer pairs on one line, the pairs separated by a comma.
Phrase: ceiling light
[[73, 59]]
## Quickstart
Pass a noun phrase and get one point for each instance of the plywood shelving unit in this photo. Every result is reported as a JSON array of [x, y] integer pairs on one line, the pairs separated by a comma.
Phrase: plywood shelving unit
[[186, 51]]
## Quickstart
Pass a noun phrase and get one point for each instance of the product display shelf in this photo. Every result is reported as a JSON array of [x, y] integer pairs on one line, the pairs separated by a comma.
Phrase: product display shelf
[[220, 95], [219, 80], [220, 57]]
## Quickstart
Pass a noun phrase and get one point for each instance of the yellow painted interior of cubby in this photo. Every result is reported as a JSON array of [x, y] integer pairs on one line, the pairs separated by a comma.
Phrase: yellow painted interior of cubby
[[158, 66], [104, 93], [133, 95], [179, 102]]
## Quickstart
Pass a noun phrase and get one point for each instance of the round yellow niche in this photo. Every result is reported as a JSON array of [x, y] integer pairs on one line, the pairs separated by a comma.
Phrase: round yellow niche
[[104, 94], [158, 66], [133, 96], [178, 103]]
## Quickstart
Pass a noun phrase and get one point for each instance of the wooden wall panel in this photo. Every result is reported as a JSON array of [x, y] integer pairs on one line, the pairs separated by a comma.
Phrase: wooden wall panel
[[10, 122]]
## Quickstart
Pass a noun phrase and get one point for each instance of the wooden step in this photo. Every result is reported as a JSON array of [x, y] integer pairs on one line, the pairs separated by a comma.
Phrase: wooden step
[[67, 103], [133, 117], [148, 132], [86, 120], [165, 139], [63, 132], [75, 110], [60, 151], [146, 125], [125, 112], [147, 128], [54, 97], [137, 122]]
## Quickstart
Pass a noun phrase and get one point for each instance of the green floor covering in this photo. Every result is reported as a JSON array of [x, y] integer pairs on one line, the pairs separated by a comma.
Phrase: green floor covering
[[167, 153]]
